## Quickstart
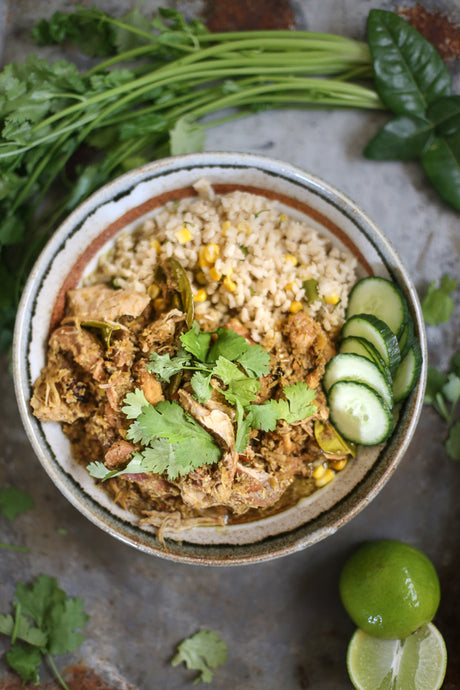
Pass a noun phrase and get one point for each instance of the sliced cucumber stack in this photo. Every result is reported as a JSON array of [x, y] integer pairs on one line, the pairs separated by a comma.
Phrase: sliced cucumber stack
[[378, 364], [349, 367]]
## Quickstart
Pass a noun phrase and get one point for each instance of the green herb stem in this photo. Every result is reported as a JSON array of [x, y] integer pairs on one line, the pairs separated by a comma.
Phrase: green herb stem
[[56, 672], [13, 547]]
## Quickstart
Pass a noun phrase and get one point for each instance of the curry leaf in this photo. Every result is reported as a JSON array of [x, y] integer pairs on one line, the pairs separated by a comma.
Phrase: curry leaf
[[441, 162], [444, 113], [403, 138], [409, 73]]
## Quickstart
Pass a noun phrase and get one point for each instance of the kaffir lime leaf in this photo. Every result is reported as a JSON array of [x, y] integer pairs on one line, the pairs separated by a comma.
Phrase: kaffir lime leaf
[[417, 662], [389, 589]]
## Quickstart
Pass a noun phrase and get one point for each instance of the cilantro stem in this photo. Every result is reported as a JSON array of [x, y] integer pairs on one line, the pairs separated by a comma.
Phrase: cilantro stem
[[55, 670], [13, 547]]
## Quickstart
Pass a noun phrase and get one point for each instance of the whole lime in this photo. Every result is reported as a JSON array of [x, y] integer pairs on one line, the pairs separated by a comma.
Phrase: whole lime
[[389, 589]]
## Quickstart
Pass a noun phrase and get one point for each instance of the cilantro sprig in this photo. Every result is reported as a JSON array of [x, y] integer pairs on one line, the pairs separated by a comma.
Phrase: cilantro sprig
[[443, 393], [202, 652], [171, 440], [46, 622]]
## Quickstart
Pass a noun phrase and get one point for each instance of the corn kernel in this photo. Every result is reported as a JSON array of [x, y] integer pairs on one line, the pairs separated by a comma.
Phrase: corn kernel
[[183, 235], [295, 306], [325, 479], [291, 259], [210, 253], [339, 464], [243, 226], [153, 291], [214, 274], [229, 284], [160, 304], [291, 286], [200, 295], [319, 471], [331, 299], [225, 227], [154, 244], [282, 218], [200, 278]]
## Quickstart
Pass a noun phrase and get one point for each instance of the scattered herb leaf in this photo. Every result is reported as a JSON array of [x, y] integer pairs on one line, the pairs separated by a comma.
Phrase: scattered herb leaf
[[58, 620], [202, 652], [438, 305], [14, 501]]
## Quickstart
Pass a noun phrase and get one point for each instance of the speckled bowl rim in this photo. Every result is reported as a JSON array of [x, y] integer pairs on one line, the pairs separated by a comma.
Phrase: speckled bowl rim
[[270, 547]]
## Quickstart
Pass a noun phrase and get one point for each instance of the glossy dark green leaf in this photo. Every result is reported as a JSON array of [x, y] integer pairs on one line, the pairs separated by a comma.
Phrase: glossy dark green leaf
[[409, 73], [441, 162], [403, 138], [445, 115]]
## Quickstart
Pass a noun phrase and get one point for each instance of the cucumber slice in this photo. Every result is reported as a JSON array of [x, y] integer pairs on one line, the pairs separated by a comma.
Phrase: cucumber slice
[[379, 334], [349, 367], [379, 297], [359, 413], [408, 372], [360, 346], [407, 337]]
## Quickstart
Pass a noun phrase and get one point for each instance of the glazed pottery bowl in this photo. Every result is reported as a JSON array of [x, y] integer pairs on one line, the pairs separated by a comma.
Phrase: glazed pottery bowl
[[71, 254]]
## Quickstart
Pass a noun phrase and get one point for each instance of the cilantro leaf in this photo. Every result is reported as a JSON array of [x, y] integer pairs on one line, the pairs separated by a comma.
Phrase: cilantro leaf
[[196, 342], [201, 385], [25, 659], [193, 445], [452, 389], [165, 366], [228, 344], [298, 404], [453, 442], [202, 652], [438, 305], [63, 623], [255, 361], [22, 630], [242, 391], [134, 403], [14, 501], [37, 600], [263, 416], [228, 371]]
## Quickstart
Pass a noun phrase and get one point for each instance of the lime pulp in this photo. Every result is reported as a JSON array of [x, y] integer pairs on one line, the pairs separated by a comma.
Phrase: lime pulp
[[417, 662]]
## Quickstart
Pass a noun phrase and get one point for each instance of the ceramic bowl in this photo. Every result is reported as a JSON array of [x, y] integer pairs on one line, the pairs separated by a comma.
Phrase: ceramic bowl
[[71, 253]]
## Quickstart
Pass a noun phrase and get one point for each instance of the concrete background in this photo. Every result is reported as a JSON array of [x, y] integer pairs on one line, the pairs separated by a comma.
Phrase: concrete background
[[282, 620]]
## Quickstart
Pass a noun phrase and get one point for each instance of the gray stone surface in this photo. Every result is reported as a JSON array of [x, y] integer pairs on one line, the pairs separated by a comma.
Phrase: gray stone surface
[[282, 620]]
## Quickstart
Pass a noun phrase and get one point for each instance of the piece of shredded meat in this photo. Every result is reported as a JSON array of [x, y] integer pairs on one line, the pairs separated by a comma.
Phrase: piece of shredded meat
[[87, 378]]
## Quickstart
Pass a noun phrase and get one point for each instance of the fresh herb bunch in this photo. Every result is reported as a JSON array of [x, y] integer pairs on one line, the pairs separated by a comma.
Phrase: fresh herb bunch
[[173, 441], [56, 620]]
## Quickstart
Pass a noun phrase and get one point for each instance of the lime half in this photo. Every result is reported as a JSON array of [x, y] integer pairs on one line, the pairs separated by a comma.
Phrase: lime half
[[417, 662]]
